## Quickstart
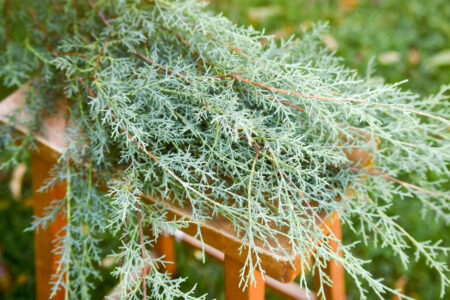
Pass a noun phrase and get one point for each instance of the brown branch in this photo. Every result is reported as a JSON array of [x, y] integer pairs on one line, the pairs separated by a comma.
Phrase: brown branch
[[151, 62], [231, 47], [73, 53], [283, 91], [287, 92], [232, 75], [255, 146], [390, 178], [100, 53], [99, 13], [292, 105], [325, 98], [43, 30], [236, 50], [199, 66], [336, 99], [287, 103], [90, 91], [36, 20]]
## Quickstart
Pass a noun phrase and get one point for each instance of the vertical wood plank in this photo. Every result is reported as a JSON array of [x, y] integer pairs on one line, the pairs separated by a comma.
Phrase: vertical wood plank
[[165, 246], [400, 285], [334, 269], [45, 259], [232, 279]]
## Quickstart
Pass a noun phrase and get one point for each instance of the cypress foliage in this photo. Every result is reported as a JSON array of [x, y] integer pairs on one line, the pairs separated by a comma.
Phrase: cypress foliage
[[169, 100]]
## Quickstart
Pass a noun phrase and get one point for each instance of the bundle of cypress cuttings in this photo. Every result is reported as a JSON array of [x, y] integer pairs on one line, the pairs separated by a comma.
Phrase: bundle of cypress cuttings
[[165, 98]]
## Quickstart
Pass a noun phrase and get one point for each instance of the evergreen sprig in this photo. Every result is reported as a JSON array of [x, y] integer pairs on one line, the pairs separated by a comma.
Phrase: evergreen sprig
[[166, 99]]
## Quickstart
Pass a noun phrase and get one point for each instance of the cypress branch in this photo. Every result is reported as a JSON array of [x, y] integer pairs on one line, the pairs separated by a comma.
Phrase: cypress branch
[[168, 99]]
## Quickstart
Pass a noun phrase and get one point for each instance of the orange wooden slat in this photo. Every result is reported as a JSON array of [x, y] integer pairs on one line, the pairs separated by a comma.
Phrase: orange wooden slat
[[334, 269], [290, 290], [165, 246], [255, 291], [400, 286], [44, 239]]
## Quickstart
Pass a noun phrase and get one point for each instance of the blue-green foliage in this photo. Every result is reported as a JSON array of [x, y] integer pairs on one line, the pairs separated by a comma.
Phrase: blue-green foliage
[[169, 100]]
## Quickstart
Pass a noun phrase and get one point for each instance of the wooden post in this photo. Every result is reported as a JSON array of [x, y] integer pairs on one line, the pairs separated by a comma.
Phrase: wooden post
[[232, 279], [334, 269], [400, 285], [44, 240], [165, 246]]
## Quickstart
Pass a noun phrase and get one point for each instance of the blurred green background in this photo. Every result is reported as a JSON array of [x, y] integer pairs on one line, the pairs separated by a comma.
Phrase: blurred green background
[[408, 39], [405, 39]]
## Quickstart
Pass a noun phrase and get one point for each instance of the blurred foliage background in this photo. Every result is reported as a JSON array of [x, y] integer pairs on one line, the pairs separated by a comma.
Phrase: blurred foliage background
[[396, 39], [407, 39]]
